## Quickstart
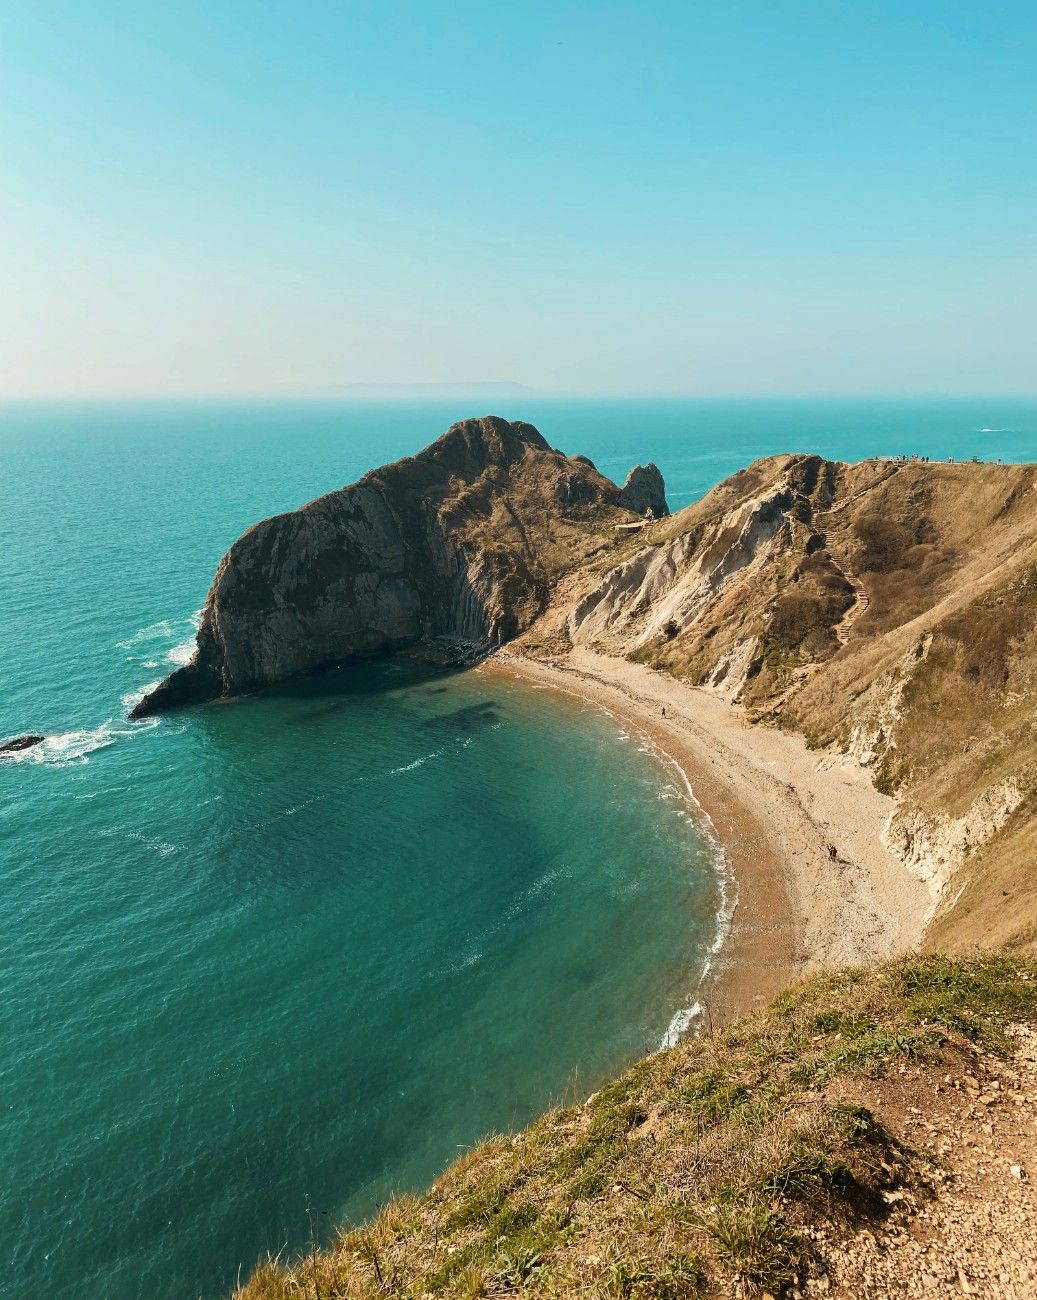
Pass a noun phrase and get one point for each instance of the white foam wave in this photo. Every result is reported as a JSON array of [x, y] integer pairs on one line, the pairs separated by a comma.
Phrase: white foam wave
[[68, 747], [727, 886], [162, 847], [418, 762], [183, 653], [77, 745], [163, 628], [298, 807], [466, 963], [154, 640], [132, 698], [681, 1023]]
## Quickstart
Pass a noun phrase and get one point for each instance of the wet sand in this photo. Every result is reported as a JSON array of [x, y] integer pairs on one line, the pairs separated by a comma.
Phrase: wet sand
[[776, 807]]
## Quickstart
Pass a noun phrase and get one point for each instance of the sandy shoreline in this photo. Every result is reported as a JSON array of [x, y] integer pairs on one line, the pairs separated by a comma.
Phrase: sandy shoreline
[[775, 807]]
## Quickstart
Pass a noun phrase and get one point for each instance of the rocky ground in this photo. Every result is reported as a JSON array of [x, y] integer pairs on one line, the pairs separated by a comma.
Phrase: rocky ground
[[973, 1229]]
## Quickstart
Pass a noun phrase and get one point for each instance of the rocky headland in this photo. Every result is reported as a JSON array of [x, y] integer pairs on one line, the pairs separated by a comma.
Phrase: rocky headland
[[461, 543]]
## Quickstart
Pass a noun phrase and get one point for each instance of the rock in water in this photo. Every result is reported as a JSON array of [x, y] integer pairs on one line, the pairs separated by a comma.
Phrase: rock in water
[[19, 743], [645, 490], [463, 541]]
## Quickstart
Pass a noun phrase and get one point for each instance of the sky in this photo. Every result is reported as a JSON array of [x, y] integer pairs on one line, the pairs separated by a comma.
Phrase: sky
[[742, 197]]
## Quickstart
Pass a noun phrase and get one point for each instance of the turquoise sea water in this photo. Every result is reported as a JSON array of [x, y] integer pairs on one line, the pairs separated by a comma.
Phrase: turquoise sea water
[[260, 963]]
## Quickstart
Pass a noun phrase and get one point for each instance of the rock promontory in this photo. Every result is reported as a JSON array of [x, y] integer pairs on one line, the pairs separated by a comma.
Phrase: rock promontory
[[463, 541], [645, 490]]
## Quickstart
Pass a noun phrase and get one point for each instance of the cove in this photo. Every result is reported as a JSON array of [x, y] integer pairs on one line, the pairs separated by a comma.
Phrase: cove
[[270, 961]]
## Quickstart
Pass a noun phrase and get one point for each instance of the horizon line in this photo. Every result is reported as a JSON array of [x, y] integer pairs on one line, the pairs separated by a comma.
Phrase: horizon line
[[398, 393]]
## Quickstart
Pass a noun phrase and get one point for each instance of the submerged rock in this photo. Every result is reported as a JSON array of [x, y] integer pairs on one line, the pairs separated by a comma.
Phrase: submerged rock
[[19, 743], [460, 544]]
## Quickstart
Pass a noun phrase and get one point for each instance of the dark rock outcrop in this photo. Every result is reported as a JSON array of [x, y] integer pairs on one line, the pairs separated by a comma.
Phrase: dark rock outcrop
[[19, 743], [645, 490], [463, 541]]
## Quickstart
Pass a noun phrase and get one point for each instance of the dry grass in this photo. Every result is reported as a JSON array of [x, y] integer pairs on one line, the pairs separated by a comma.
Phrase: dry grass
[[694, 1173], [995, 905], [936, 685], [941, 671]]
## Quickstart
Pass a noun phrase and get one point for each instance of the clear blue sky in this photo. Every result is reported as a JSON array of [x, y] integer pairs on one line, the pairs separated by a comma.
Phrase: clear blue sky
[[734, 197]]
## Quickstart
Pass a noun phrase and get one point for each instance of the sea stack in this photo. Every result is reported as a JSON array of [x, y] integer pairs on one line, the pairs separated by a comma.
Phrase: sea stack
[[644, 490], [462, 542]]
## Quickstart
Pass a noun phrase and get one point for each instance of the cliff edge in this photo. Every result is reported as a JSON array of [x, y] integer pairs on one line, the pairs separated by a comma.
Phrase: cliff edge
[[867, 1135]]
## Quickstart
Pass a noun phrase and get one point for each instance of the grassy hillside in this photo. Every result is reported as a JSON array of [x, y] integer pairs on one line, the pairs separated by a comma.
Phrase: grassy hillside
[[706, 1169]]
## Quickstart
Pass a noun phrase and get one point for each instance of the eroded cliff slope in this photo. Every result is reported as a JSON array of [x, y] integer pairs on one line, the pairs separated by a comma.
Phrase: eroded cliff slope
[[886, 610], [463, 541]]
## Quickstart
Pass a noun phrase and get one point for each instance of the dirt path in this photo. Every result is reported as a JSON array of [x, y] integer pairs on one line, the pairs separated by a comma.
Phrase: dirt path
[[977, 1236]]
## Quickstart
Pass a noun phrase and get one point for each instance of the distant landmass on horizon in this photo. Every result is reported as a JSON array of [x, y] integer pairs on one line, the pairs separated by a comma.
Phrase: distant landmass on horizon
[[488, 388]]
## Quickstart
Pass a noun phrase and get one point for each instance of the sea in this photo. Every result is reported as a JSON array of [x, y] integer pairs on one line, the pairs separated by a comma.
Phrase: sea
[[265, 963]]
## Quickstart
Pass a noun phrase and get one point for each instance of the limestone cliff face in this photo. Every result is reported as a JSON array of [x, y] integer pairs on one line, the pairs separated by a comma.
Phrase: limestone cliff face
[[734, 592], [462, 541], [886, 610]]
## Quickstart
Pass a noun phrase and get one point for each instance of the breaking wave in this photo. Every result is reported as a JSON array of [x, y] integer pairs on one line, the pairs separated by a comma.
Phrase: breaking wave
[[181, 654], [68, 747], [681, 1024], [132, 698]]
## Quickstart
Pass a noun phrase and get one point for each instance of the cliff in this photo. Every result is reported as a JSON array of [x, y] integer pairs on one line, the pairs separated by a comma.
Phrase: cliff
[[463, 541], [888, 612]]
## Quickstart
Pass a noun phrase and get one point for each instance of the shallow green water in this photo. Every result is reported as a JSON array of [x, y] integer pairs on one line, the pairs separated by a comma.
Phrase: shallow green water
[[295, 951]]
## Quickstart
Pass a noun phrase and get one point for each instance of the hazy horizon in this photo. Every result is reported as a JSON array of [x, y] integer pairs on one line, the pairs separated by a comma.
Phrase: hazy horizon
[[431, 392], [612, 199]]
